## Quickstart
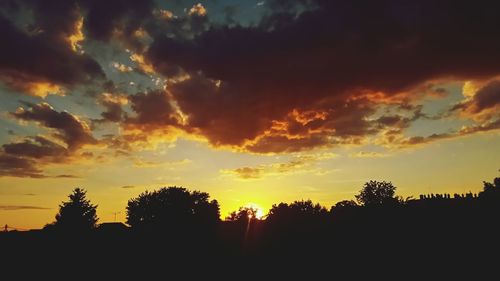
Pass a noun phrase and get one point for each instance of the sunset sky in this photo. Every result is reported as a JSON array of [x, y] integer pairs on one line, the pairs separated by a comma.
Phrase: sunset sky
[[254, 102]]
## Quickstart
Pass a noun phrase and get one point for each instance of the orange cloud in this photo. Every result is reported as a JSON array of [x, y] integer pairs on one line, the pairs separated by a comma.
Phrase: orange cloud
[[164, 14], [197, 10], [77, 36], [142, 64]]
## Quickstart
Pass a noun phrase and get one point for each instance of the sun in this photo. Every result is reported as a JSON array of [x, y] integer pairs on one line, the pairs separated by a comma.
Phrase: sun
[[260, 212]]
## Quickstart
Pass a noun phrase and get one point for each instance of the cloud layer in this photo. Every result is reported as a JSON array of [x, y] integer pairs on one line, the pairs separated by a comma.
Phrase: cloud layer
[[308, 74]]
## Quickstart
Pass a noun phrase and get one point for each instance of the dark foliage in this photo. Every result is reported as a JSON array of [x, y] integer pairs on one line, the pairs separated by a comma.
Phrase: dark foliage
[[377, 193], [77, 214], [434, 232], [243, 215], [172, 208]]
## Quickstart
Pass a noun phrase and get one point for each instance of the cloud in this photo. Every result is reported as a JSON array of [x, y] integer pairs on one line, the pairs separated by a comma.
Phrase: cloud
[[113, 103], [299, 163], [367, 154], [21, 207], [404, 142], [67, 176], [197, 10], [128, 186], [14, 166], [104, 19], [152, 109], [245, 80], [247, 172], [283, 84], [26, 158], [36, 147], [74, 132], [40, 59], [482, 101], [121, 67]]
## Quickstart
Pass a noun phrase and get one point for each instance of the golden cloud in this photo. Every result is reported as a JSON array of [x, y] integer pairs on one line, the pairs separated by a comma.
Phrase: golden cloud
[[298, 164], [121, 67], [77, 36], [198, 10], [142, 64]]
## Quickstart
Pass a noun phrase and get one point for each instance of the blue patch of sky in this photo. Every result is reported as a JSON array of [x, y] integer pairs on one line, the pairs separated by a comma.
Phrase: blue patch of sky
[[440, 107], [243, 12]]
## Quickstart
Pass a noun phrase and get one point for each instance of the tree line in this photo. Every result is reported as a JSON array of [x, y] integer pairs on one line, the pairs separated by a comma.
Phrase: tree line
[[374, 233], [176, 208]]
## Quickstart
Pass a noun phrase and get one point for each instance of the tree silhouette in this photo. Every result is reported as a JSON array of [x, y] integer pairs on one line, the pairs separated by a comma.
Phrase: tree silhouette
[[376, 193], [344, 205], [172, 206], [76, 214], [491, 190], [298, 210], [244, 214]]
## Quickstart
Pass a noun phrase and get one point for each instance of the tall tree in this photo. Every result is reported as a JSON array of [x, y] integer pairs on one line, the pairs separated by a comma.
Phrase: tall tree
[[76, 214]]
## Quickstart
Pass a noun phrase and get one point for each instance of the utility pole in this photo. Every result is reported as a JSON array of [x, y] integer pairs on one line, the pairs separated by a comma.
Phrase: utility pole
[[116, 213], [6, 228]]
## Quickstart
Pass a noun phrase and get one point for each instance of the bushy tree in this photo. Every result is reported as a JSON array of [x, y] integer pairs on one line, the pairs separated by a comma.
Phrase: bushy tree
[[172, 207], [377, 193], [76, 214]]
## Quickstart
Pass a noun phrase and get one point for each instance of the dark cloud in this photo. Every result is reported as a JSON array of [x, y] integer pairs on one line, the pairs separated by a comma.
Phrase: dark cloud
[[67, 176], [488, 96], [21, 207], [311, 74], [40, 51], [41, 58], [105, 17], [152, 108], [464, 131], [331, 55], [422, 140], [69, 128], [14, 166], [113, 113], [36, 147], [484, 104], [128, 186], [485, 127], [113, 103], [27, 158]]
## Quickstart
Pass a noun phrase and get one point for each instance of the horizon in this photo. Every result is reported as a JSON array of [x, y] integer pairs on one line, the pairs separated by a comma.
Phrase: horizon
[[253, 102]]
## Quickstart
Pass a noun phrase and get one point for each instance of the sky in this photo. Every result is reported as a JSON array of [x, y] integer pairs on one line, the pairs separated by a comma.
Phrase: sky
[[254, 102]]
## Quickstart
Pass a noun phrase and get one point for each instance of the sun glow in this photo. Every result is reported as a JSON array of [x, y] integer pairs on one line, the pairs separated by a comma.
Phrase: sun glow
[[259, 214]]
